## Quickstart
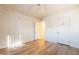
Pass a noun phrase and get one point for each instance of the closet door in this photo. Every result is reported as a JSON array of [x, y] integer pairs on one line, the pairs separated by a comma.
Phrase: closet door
[[64, 30]]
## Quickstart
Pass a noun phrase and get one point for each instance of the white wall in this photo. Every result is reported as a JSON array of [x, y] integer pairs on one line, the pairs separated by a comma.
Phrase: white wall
[[16, 27], [63, 28]]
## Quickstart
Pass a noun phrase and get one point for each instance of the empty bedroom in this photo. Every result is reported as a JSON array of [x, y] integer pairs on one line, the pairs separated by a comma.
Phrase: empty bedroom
[[39, 29]]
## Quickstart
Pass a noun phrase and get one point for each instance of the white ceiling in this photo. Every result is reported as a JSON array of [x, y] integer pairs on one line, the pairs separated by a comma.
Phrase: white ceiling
[[42, 10]]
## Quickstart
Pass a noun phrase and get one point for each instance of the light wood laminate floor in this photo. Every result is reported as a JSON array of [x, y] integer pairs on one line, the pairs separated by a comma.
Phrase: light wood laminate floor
[[40, 47]]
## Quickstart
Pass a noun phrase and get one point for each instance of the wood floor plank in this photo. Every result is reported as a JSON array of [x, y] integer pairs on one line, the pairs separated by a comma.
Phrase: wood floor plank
[[62, 50], [72, 51], [37, 48]]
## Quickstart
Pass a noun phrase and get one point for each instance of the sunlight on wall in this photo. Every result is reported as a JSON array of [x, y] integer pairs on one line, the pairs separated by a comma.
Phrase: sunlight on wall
[[11, 44], [8, 41]]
